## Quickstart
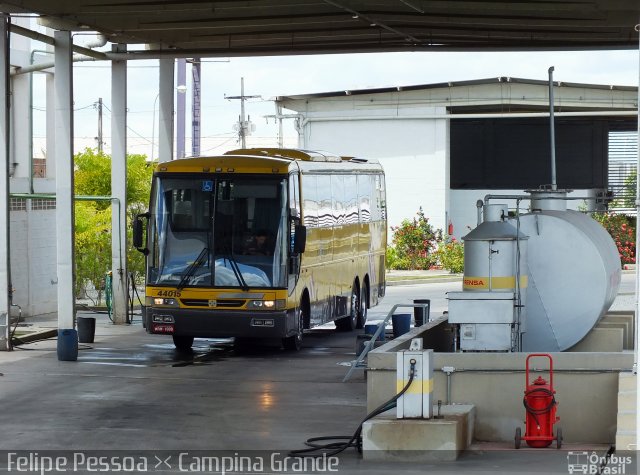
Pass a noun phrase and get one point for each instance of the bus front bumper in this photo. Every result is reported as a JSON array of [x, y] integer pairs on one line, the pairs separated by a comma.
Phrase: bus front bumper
[[220, 324]]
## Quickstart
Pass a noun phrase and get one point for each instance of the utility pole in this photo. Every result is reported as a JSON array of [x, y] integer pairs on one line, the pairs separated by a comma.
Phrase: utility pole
[[195, 108], [244, 126], [99, 137], [279, 116]]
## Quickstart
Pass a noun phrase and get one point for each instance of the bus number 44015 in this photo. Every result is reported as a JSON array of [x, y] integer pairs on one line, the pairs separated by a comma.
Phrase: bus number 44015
[[168, 293]]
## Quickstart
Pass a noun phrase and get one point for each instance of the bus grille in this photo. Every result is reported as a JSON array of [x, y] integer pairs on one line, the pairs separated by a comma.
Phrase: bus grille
[[229, 303]]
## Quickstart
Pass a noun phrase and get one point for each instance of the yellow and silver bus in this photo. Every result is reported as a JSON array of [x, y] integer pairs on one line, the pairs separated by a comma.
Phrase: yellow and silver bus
[[261, 244]]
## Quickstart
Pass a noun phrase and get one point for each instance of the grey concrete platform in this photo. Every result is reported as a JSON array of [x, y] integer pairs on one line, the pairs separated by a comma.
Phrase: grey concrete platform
[[386, 438], [132, 391]]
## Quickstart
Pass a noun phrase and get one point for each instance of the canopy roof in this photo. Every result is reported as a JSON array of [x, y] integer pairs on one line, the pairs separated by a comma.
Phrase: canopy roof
[[275, 27]]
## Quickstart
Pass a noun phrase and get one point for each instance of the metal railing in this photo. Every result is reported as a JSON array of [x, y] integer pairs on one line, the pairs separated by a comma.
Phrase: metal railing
[[357, 363]]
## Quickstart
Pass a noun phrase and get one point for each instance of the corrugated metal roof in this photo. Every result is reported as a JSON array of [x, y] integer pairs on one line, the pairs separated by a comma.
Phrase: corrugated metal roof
[[200, 28], [447, 85]]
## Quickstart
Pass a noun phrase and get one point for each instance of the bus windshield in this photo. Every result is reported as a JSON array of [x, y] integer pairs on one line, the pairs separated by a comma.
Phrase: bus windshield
[[218, 231]]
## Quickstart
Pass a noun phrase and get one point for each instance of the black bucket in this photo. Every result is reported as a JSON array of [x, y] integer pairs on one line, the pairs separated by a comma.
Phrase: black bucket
[[86, 329], [421, 314]]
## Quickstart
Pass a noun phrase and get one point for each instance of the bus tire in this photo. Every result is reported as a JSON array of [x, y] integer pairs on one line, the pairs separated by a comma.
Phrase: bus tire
[[350, 322], [363, 308], [294, 342], [183, 343]]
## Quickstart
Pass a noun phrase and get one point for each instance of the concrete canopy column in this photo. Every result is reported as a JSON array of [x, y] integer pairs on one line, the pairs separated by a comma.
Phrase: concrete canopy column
[[165, 121], [119, 186], [67, 348], [637, 289], [50, 124], [181, 108], [5, 265]]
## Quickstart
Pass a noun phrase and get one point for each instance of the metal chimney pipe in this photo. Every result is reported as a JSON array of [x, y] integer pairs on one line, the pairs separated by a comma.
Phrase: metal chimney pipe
[[552, 131]]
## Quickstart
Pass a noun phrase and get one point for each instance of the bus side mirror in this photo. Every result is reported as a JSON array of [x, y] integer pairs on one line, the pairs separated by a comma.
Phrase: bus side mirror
[[138, 233], [300, 239]]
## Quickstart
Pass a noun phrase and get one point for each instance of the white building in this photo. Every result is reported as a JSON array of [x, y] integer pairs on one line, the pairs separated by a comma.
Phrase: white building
[[444, 146], [32, 222]]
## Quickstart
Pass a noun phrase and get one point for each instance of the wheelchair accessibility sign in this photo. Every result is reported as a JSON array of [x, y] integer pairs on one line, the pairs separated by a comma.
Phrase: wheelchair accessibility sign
[[207, 185]]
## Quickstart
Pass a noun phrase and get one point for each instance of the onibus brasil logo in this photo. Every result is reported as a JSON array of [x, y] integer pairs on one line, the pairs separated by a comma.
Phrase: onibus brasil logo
[[594, 464]]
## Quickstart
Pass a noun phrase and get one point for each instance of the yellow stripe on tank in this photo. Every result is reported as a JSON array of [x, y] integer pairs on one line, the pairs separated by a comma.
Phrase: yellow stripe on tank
[[497, 283]]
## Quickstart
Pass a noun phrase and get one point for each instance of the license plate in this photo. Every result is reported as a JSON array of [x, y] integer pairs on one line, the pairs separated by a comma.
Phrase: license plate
[[262, 322], [162, 328]]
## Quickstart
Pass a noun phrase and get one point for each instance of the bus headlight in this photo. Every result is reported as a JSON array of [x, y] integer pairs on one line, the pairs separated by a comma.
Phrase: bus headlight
[[266, 304], [161, 301]]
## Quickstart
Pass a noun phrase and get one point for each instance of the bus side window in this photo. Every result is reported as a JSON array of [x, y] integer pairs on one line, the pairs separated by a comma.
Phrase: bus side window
[[337, 194], [325, 211], [382, 198], [351, 199], [294, 194], [364, 197], [310, 200]]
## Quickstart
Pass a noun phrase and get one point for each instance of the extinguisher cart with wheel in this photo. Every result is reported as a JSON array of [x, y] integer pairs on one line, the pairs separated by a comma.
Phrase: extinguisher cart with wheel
[[540, 404]]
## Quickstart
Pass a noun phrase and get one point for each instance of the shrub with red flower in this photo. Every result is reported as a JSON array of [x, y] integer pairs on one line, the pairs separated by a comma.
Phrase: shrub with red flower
[[623, 231], [414, 244], [451, 255]]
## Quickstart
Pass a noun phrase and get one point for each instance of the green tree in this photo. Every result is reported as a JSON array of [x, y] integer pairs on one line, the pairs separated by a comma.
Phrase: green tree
[[623, 232], [93, 218], [625, 197], [93, 246], [451, 255]]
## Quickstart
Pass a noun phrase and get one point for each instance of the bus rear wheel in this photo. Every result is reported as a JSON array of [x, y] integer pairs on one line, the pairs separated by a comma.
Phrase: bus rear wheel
[[350, 322], [183, 343], [294, 342], [363, 307]]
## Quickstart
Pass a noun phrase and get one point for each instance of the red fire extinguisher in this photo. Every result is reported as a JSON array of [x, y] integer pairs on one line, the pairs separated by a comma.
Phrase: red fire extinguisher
[[540, 404]]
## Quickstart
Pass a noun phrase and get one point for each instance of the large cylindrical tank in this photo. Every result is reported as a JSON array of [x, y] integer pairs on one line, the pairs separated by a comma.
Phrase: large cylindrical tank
[[574, 274], [491, 254]]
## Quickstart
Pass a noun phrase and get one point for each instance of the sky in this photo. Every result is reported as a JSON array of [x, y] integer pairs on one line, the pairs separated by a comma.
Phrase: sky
[[268, 77]]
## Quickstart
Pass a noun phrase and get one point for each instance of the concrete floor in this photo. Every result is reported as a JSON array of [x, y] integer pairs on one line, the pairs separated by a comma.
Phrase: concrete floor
[[132, 391]]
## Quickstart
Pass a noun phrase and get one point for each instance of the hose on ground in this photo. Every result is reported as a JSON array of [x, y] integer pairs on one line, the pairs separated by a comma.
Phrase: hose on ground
[[342, 442]]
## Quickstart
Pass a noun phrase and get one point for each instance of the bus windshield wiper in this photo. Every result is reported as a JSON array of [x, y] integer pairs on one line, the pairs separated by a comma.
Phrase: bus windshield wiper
[[236, 270], [192, 267]]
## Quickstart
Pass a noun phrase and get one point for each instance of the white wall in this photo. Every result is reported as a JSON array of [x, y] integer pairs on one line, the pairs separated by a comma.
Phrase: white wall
[[32, 232], [413, 152], [33, 261]]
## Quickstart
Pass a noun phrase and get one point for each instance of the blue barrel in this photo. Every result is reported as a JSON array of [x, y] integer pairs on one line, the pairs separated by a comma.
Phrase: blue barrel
[[67, 345], [370, 329], [401, 323]]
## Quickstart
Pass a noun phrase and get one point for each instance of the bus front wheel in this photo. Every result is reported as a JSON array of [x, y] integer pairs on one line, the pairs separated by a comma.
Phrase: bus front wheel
[[183, 343], [294, 342]]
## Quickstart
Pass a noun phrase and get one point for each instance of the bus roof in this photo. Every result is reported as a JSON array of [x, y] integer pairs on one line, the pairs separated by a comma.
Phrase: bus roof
[[265, 160], [288, 154]]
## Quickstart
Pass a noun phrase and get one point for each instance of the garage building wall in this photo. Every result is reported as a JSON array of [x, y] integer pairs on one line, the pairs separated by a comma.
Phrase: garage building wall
[[445, 164], [413, 152]]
